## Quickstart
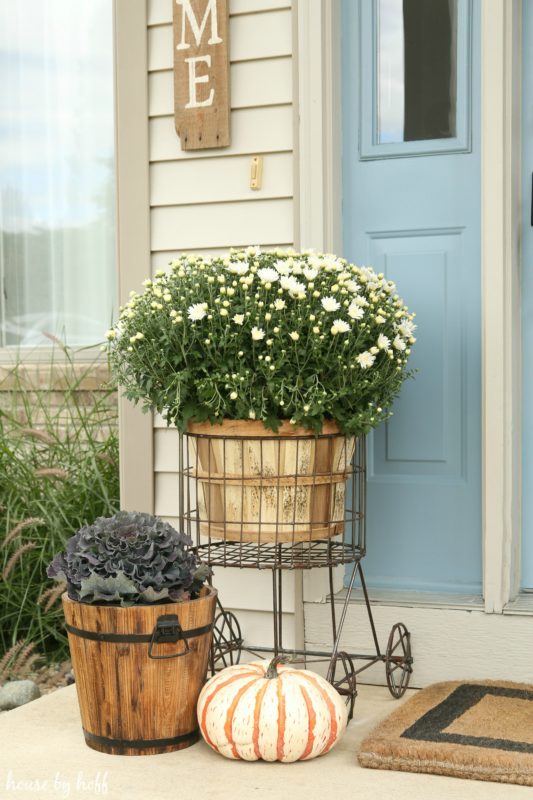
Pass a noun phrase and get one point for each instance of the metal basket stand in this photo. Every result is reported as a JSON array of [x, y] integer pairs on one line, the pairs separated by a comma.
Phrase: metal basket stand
[[200, 513]]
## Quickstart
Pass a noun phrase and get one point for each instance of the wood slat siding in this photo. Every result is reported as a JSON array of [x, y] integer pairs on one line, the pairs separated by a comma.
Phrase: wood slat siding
[[252, 36], [201, 201], [160, 11], [253, 130]]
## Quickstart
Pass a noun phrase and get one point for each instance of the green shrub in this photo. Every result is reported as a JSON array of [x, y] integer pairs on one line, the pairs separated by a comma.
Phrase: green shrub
[[59, 471]]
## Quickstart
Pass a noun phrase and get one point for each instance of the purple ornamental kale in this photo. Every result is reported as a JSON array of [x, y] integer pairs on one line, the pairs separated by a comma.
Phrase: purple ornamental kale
[[127, 559]]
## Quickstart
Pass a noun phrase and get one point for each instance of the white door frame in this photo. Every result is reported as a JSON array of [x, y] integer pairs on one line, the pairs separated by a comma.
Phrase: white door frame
[[319, 189]]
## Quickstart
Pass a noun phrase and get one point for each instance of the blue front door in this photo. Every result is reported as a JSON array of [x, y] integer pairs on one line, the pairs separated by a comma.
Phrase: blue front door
[[411, 209]]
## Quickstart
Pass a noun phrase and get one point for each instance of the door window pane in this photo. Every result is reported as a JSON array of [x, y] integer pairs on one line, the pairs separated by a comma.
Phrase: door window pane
[[57, 243], [416, 69]]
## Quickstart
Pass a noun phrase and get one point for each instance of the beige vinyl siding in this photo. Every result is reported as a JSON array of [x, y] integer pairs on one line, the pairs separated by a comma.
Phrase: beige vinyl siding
[[275, 39], [253, 130], [201, 201], [267, 82], [221, 224], [162, 258], [218, 180], [160, 11]]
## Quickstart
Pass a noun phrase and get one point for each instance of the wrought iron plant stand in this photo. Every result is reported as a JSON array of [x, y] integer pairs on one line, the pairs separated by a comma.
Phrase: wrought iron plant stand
[[241, 497]]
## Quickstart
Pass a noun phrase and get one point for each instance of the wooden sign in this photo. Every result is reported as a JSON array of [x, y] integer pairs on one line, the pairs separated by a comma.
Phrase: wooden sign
[[201, 73]]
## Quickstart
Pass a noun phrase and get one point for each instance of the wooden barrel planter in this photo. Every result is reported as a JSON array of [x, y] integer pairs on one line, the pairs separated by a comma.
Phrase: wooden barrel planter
[[254, 485], [139, 671]]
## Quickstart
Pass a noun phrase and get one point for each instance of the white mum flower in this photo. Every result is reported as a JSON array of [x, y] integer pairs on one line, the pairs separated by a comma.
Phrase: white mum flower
[[383, 342], [365, 360], [361, 301], [352, 286], [310, 273], [355, 311], [282, 267], [110, 334], [332, 264], [339, 326], [268, 275], [379, 319], [367, 273], [279, 304], [238, 319], [298, 289], [196, 312], [330, 304], [294, 336], [238, 268], [234, 396], [314, 261], [292, 285], [399, 344], [257, 334], [407, 328]]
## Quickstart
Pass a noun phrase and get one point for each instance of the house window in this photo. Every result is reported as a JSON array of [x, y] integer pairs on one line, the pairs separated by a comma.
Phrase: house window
[[417, 70], [57, 241]]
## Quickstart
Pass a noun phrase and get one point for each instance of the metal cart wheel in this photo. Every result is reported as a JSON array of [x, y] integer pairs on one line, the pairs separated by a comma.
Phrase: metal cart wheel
[[227, 640], [398, 660], [344, 680]]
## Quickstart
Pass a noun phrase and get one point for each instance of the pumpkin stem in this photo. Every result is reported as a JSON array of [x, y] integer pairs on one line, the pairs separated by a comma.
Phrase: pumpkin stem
[[272, 671]]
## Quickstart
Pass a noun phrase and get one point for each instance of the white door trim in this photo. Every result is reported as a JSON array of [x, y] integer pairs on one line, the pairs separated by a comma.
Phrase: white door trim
[[319, 191], [500, 280], [318, 135]]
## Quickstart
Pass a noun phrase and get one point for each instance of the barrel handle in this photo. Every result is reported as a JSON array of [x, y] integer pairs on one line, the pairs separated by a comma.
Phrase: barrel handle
[[167, 630]]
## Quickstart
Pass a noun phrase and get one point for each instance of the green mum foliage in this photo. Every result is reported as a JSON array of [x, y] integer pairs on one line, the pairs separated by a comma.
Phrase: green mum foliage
[[270, 336]]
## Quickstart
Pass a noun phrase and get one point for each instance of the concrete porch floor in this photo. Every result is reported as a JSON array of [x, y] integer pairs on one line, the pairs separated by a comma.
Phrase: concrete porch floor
[[42, 754]]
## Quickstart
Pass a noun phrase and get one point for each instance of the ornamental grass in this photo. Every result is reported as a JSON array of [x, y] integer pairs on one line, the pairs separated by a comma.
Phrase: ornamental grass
[[59, 471]]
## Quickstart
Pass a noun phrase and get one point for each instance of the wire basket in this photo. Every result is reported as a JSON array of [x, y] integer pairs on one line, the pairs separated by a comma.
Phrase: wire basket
[[258, 499]]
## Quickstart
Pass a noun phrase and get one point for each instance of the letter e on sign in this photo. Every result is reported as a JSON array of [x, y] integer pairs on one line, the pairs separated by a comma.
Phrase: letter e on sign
[[201, 73]]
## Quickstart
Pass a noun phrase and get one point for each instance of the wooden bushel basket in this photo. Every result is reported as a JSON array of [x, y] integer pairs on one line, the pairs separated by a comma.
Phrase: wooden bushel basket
[[139, 671], [255, 485]]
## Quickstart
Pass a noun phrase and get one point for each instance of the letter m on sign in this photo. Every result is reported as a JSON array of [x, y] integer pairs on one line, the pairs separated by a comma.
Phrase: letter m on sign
[[201, 73]]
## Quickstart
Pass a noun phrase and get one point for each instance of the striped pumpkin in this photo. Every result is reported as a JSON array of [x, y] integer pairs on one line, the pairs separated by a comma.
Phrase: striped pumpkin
[[266, 710]]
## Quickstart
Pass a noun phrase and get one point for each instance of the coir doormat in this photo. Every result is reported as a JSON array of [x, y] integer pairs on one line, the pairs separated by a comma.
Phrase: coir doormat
[[472, 729]]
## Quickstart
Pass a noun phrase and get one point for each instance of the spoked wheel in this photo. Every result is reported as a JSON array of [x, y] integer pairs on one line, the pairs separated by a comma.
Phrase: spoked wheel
[[342, 677], [227, 640], [398, 660]]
